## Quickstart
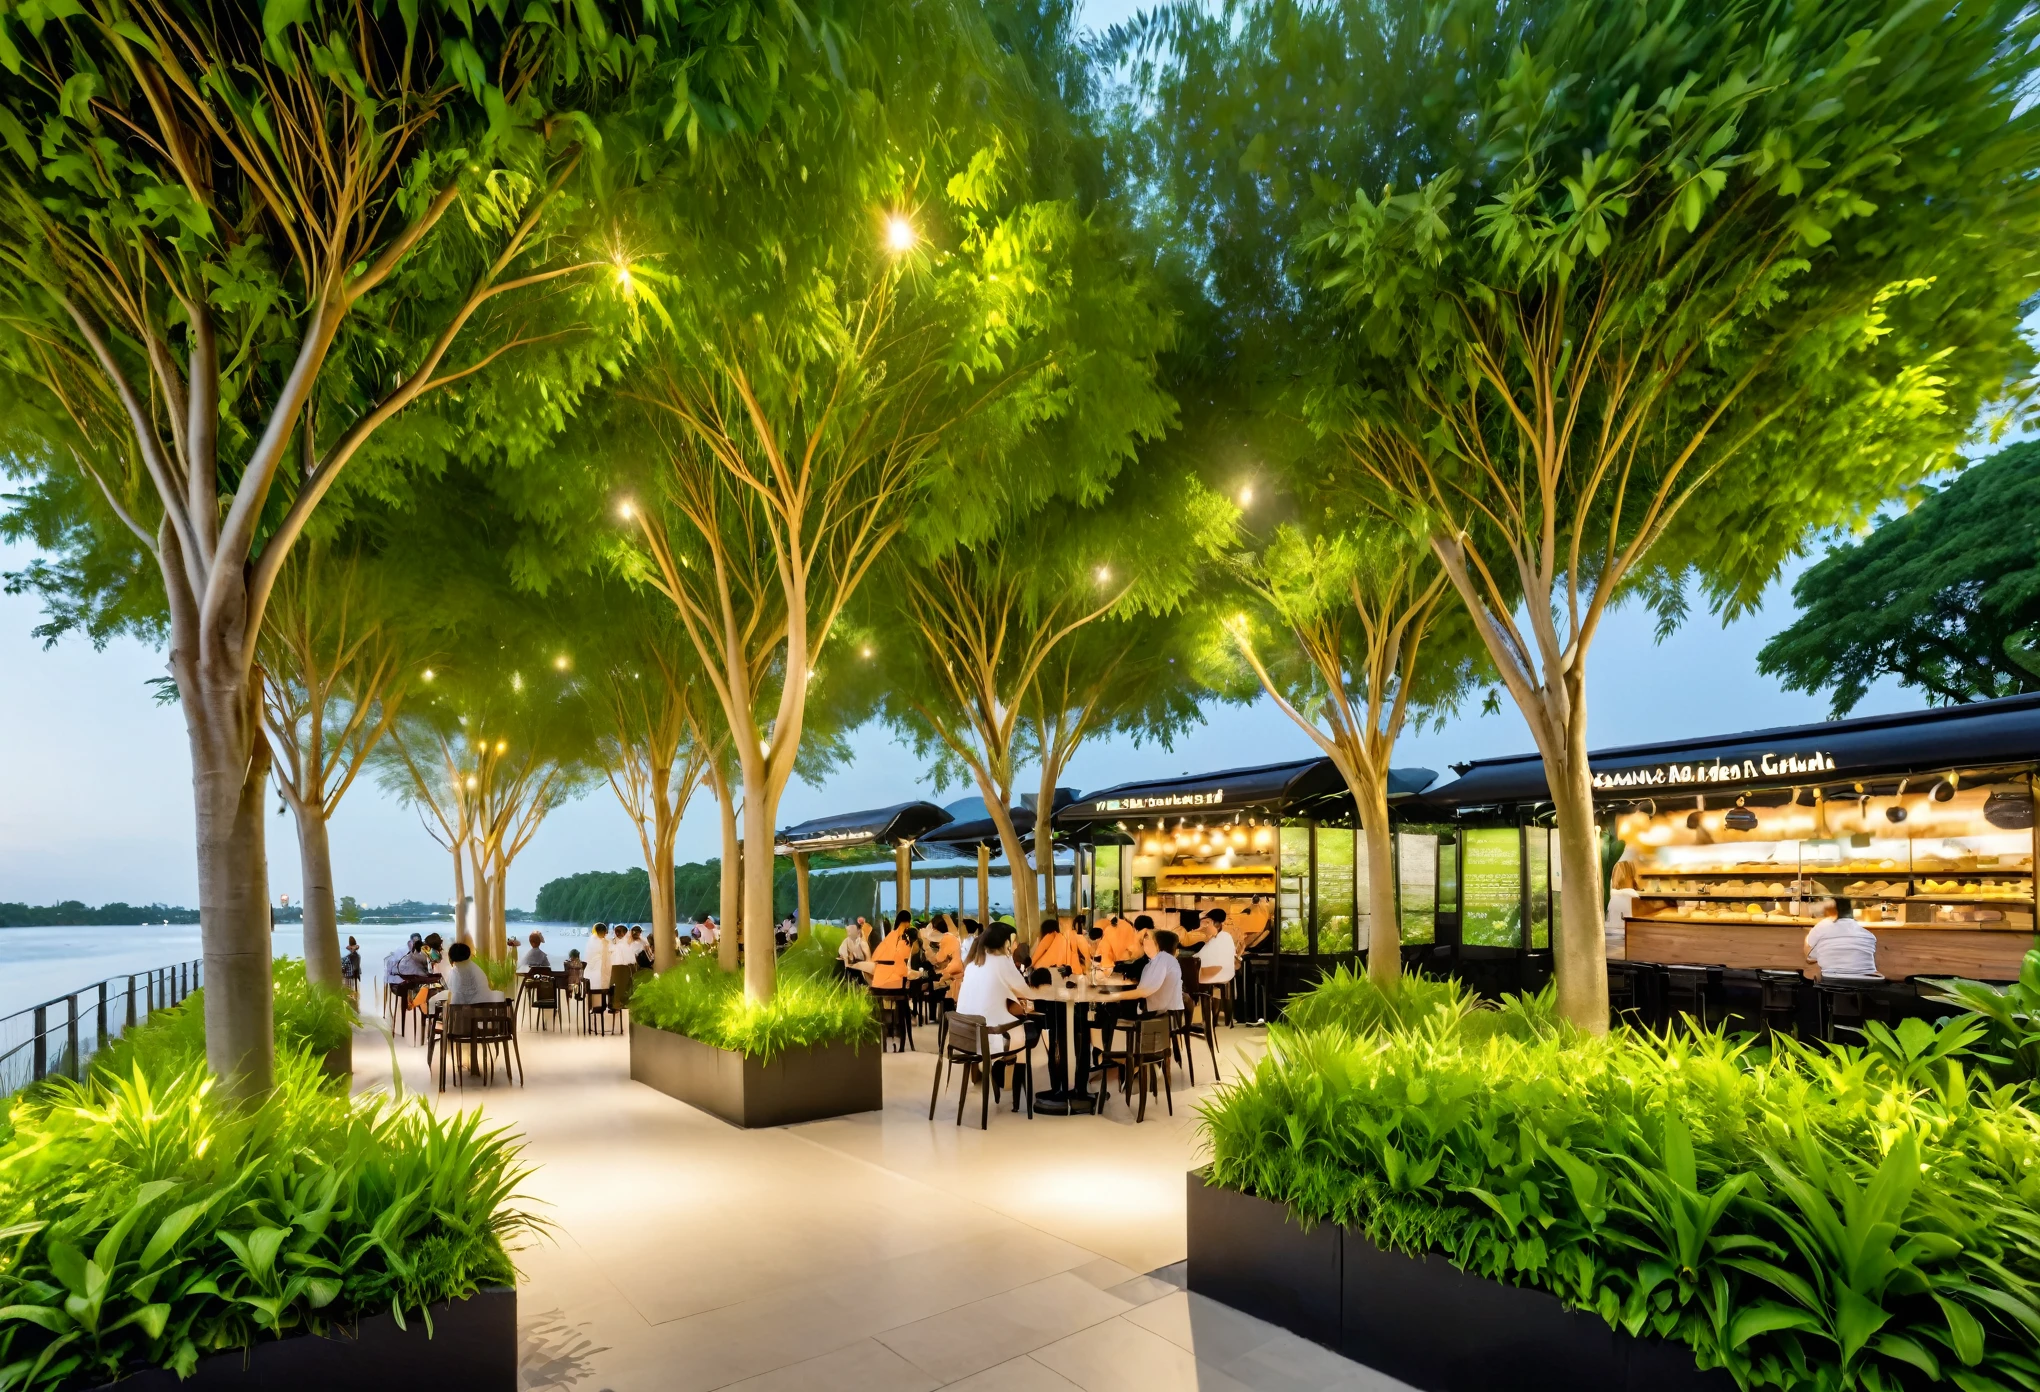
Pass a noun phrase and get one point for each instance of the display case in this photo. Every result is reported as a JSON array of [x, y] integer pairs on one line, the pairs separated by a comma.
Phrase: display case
[[1943, 876]]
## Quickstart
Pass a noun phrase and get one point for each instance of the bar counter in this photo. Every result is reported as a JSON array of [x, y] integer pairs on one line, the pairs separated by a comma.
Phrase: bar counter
[[1903, 949]]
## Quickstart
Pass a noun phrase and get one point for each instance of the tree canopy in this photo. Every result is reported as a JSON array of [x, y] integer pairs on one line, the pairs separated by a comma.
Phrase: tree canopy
[[1944, 596]]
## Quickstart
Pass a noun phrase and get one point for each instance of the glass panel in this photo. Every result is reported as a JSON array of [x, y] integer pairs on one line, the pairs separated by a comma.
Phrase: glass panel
[[1448, 877], [1492, 888], [1537, 846], [1334, 889], [1417, 885], [1362, 933], [1294, 888], [1105, 879]]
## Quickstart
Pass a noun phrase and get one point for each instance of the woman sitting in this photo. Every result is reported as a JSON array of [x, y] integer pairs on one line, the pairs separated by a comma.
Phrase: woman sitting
[[1058, 948], [993, 986], [892, 961]]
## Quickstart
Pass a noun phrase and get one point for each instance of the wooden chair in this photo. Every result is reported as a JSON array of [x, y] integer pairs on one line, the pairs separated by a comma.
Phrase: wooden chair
[[896, 1018], [575, 982], [472, 1035], [969, 1042], [1152, 1038], [599, 1005], [1193, 1022], [540, 996], [622, 981]]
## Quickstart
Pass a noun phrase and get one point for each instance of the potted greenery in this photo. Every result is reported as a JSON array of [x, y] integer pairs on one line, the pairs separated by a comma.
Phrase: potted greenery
[[161, 1234], [1440, 1189], [809, 1052]]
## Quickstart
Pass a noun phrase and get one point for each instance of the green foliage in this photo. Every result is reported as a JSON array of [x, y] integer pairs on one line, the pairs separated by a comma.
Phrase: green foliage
[[73, 913], [2010, 1016], [501, 972], [307, 1019], [810, 1006], [1809, 1218], [610, 896], [1944, 596], [151, 1220]]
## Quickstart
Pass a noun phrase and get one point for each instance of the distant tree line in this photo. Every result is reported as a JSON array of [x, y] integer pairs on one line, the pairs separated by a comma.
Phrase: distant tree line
[[71, 913], [609, 896]]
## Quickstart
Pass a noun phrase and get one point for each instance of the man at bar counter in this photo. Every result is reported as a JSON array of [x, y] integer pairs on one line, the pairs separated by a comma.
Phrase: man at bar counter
[[1842, 948]]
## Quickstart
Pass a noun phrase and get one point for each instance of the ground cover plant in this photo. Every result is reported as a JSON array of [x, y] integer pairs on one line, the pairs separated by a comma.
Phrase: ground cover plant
[[147, 1219], [810, 1007], [1807, 1217]]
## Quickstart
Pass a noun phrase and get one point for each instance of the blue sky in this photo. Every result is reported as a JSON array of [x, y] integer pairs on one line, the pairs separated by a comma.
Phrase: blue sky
[[98, 775]]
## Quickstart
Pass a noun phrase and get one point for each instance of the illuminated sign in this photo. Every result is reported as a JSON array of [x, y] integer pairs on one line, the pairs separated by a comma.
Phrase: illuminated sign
[[1717, 771], [1161, 802]]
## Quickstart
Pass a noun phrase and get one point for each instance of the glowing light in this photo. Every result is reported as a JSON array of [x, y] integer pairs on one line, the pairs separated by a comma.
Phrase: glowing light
[[900, 234], [1104, 574], [765, 748], [867, 650], [1246, 495], [502, 746], [560, 663], [471, 780], [428, 674], [626, 510], [623, 280]]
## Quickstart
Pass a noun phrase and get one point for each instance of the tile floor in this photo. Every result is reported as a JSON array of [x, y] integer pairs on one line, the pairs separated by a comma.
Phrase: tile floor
[[873, 1253]]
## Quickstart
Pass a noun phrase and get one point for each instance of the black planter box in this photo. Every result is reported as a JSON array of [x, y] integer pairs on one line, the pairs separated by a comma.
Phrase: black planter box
[[473, 1345], [798, 1085], [1419, 1319]]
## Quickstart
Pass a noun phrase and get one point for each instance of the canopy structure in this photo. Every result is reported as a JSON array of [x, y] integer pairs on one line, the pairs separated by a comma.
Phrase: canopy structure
[[880, 826], [964, 838], [1834, 754], [1300, 788]]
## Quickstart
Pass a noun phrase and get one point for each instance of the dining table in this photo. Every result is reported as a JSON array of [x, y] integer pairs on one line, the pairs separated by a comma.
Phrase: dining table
[[1067, 1095]]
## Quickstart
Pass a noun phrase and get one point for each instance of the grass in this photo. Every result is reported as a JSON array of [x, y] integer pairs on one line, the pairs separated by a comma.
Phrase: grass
[[810, 1006], [147, 1221], [1816, 1218]]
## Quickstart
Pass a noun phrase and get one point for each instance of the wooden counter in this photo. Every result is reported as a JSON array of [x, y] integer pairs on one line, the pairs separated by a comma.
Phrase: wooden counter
[[1903, 949]]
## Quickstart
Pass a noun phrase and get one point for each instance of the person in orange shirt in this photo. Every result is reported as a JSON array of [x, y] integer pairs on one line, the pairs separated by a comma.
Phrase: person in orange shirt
[[944, 951], [1059, 948], [1121, 942], [892, 960]]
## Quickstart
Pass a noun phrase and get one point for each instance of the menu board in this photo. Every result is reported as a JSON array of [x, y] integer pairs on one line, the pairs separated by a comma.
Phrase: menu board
[[1335, 889], [1105, 879], [1417, 863], [1537, 848], [1491, 888]]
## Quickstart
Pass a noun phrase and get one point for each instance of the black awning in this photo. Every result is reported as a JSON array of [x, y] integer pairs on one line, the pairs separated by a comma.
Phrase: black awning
[[883, 826], [1983, 734], [964, 837], [1276, 789]]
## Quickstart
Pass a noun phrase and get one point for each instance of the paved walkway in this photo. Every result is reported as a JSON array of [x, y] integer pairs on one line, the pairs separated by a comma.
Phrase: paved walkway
[[874, 1253]]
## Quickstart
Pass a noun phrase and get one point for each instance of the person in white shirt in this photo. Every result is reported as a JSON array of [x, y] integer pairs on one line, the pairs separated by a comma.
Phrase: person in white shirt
[[855, 953], [598, 956], [534, 956], [466, 983], [1161, 980], [1621, 907], [1218, 957], [992, 982], [1841, 947]]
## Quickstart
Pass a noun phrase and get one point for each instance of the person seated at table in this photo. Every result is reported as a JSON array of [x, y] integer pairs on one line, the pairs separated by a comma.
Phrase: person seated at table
[[993, 987], [535, 959], [1839, 946], [1190, 929], [1057, 949], [1122, 939], [855, 953], [945, 951], [892, 961], [639, 948], [466, 982], [410, 962], [598, 957], [1218, 955], [1159, 990]]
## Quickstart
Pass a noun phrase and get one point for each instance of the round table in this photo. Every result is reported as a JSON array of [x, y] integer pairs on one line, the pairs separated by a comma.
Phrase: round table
[[1071, 992]]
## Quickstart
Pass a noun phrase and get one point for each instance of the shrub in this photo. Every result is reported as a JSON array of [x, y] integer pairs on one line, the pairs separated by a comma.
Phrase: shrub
[[2010, 1016], [1808, 1218], [700, 1000], [149, 1221], [173, 1039]]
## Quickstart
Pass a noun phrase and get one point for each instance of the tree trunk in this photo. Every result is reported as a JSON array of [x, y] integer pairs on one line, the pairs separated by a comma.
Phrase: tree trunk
[[1384, 926], [903, 877], [1044, 841], [499, 923], [460, 894], [1026, 902], [761, 962], [230, 777], [477, 926], [800, 896], [665, 933], [322, 924], [1579, 949], [732, 883], [984, 884]]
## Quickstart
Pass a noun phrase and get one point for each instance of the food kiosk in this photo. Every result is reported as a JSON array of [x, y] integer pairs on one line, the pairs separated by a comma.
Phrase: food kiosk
[[898, 826], [1923, 821], [1276, 846]]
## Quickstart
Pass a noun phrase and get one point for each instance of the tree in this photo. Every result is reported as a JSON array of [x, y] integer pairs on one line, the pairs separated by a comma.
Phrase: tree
[[890, 335], [1618, 301], [1361, 607], [334, 670], [657, 736], [1945, 596], [240, 241]]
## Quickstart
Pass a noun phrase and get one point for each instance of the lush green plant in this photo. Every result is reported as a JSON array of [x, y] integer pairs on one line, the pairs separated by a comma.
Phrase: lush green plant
[[172, 1040], [2011, 1015], [149, 1219], [501, 971], [700, 1000], [1808, 1218]]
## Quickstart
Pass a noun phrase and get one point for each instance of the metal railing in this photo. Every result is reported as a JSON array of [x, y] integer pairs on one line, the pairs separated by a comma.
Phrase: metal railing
[[59, 1037]]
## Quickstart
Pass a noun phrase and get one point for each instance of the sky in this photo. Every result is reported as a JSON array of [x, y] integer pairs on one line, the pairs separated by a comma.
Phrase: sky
[[97, 776]]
